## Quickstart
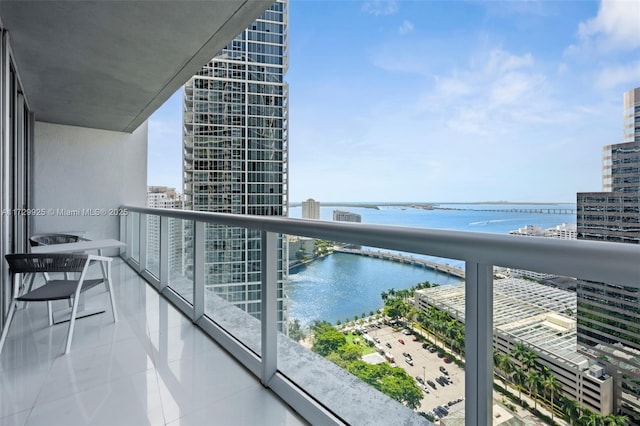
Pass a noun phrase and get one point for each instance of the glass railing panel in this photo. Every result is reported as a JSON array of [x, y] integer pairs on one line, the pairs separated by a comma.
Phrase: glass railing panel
[[376, 314], [180, 233], [232, 276], [554, 345], [135, 235], [153, 245]]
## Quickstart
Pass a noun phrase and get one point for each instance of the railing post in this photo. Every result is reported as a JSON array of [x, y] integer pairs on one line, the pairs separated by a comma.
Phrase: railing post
[[198, 270], [163, 255], [142, 244], [478, 344], [123, 234], [269, 302]]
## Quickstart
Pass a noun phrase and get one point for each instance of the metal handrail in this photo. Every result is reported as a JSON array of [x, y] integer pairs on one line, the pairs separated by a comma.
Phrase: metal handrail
[[613, 263]]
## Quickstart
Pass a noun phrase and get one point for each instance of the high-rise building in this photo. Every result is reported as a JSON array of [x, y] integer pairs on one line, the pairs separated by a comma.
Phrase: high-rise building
[[311, 209], [163, 197], [608, 315], [344, 216], [235, 153]]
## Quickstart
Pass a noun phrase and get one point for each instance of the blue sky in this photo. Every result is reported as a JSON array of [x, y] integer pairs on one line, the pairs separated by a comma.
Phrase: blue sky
[[445, 100]]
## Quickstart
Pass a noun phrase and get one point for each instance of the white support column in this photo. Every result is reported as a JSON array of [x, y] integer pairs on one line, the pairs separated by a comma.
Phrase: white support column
[[198, 270], [478, 344], [269, 302], [163, 255]]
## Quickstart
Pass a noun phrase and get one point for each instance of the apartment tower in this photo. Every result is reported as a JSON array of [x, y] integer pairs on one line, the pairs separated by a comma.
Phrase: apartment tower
[[608, 315], [311, 209], [235, 146]]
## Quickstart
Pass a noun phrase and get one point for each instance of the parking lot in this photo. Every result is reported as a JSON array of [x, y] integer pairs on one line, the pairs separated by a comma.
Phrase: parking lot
[[426, 365]]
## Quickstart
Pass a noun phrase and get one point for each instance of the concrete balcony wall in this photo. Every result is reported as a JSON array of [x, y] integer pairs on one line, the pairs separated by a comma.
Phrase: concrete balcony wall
[[77, 169]]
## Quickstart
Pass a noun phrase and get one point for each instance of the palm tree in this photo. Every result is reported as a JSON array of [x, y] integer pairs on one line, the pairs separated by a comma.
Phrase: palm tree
[[519, 378], [571, 408], [614, 420], [503, 363], [552, 385], [589, 418], [534, 381], [529, 360], [518, 352]]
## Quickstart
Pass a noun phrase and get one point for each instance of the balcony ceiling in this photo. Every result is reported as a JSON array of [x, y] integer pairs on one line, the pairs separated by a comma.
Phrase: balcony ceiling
[[111, 64]]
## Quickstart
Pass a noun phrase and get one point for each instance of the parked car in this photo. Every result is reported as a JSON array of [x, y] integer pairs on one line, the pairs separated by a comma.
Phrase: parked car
[[431, 383], [420, 380], [447, 359], [440, 354], [388, 345], [425, 346], [406, 332], [408, 361], [401, 341], [444, 370], [432, 349]]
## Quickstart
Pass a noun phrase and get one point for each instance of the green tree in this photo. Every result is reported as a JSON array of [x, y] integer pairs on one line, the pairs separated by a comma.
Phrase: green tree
[[326, 338], [295, 331], [402, 388], [552, 385], [350, 353]]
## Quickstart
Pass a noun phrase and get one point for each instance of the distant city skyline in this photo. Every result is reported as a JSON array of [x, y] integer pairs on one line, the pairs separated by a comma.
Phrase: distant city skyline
[[445, 101]]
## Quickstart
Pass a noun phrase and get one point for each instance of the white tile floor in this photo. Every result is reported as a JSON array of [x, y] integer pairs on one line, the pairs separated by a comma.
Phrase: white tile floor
[[153, 367]]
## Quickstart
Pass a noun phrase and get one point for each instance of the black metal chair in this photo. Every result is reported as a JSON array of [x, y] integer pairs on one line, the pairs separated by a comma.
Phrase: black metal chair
[[55, 289]]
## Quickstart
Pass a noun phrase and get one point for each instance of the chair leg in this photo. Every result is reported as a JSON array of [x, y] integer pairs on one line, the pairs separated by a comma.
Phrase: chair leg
[[72, 323], [5, 330], [29, 287], [50, 312], [109, 284]]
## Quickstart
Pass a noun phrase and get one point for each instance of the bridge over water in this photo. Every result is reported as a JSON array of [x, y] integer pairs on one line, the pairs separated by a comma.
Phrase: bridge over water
[[536, 210], [408, 260]]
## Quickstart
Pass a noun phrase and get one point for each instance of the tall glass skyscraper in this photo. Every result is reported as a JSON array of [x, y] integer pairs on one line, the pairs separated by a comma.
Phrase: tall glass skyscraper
[[235, 153], [609, 315]]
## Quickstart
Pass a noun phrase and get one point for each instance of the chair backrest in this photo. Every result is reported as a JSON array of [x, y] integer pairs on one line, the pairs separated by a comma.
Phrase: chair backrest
[[20, 263], [49, 239]]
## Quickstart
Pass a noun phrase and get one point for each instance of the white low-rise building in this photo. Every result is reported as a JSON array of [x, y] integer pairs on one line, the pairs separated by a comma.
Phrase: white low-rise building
[[541, 318]]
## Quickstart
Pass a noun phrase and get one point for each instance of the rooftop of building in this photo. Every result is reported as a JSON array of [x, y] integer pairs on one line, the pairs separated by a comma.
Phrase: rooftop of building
[[528, 311]]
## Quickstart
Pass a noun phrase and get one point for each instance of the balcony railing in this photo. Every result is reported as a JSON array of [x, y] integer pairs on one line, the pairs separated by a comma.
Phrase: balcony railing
[[320, 391]]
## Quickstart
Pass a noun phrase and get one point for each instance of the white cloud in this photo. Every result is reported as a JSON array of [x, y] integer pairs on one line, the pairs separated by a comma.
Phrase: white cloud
[[380, 7], [406, 27], [621, 75], [485, 98], [616, 27], [501, 61]]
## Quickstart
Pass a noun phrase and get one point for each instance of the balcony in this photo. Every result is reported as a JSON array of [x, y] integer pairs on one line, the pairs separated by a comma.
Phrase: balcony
[[151, 367], [277, 361]]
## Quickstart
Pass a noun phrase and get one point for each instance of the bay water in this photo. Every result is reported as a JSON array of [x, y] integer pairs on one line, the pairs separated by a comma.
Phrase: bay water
[[340, 286]]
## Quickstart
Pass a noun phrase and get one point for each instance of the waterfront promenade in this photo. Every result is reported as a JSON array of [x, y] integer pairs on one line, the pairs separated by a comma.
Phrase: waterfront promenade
[[450, 270]]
